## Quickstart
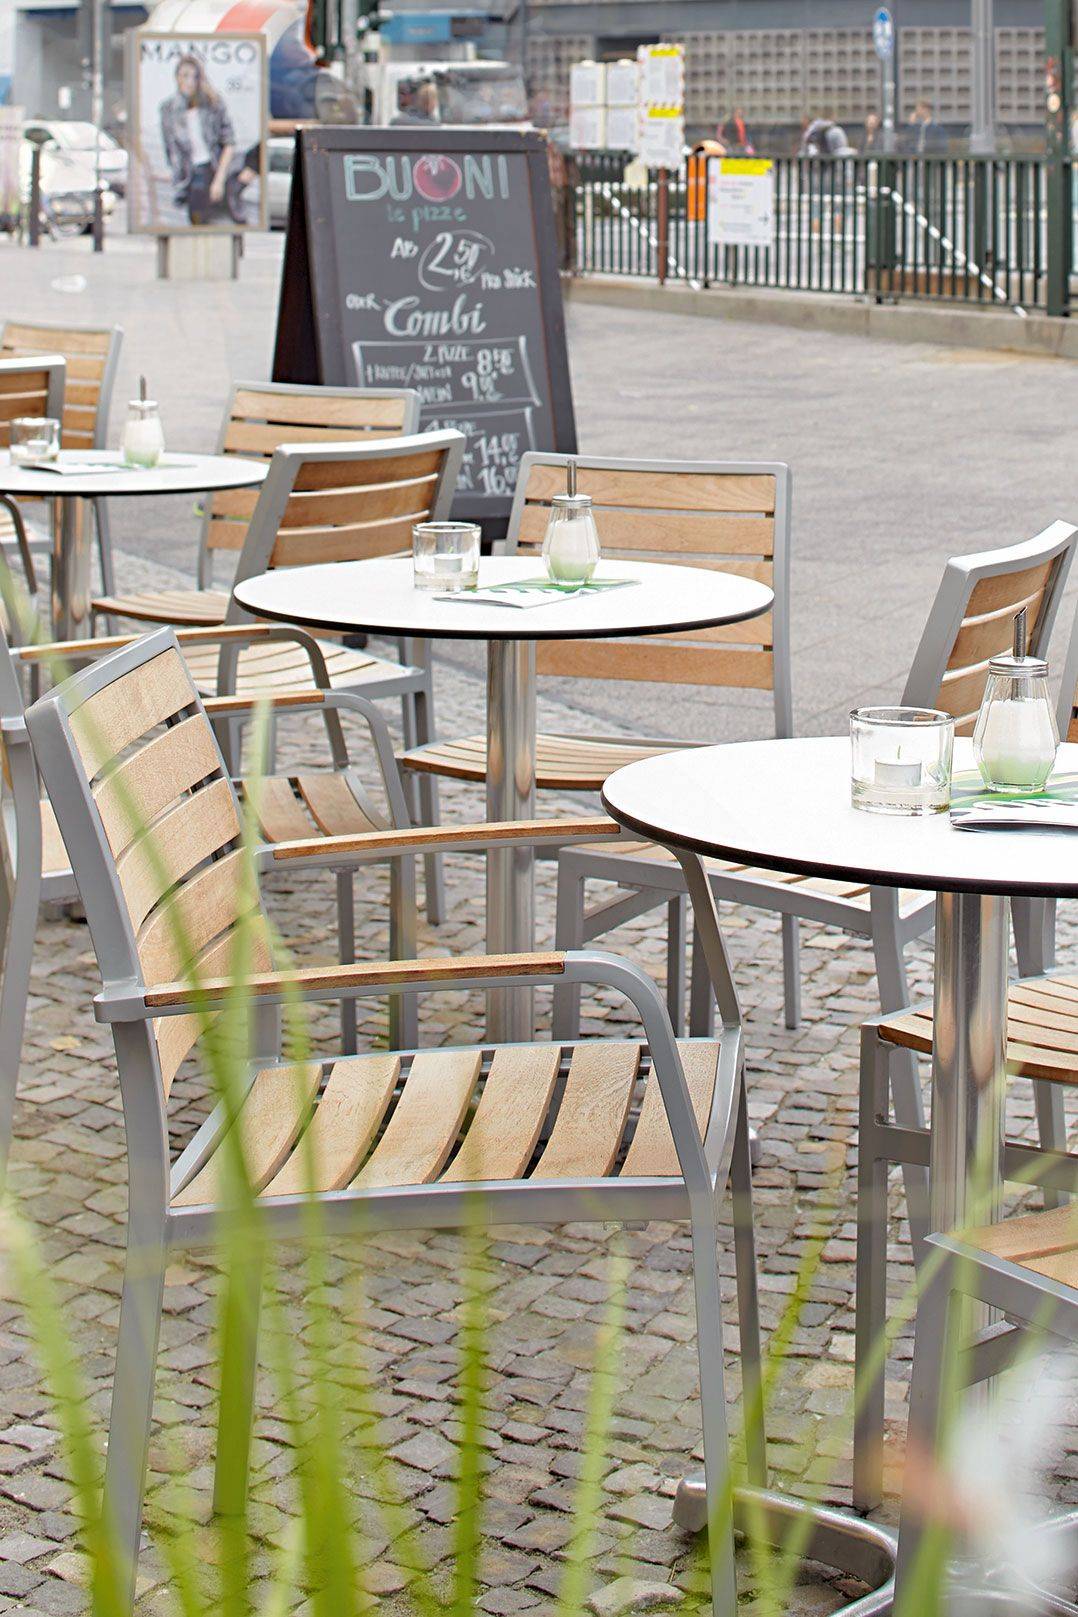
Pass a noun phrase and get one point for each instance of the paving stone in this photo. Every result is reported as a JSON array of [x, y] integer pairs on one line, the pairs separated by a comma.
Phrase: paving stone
[[633, 1594]]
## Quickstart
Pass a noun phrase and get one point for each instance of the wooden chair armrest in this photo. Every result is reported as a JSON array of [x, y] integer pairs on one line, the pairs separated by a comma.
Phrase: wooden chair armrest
[[44, 650], [324, 982], [217, 705], [429, 839]]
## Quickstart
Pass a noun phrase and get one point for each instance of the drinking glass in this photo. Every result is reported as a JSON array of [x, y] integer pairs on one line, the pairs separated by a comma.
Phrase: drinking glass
[[34, 438], [901, 759], [446, 555]]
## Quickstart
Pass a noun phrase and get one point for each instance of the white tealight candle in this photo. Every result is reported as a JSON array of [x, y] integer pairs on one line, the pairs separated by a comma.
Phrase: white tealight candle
[[891, 772], [1018, 747]]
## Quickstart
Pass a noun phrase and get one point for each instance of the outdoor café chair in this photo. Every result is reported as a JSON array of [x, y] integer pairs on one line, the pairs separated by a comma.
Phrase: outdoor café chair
[[345, 502], [393, 1140], [306, 803], [717, 514], [1042, 1045], [92, 354], [259, 418], [970, 620], [28, 387], [1026, 1270]]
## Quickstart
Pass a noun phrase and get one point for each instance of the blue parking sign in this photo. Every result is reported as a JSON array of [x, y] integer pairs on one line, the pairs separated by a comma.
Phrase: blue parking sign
[[883, 33]]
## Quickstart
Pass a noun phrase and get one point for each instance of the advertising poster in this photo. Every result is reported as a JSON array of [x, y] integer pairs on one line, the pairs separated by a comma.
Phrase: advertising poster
[[197, 120]]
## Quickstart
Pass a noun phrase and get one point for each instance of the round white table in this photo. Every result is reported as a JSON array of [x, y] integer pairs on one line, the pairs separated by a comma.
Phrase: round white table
[[102, 474], [380, 597], [785, 805]]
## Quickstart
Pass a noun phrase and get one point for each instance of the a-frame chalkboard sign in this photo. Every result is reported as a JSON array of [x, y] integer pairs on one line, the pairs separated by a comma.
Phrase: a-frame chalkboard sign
[[425, 258]]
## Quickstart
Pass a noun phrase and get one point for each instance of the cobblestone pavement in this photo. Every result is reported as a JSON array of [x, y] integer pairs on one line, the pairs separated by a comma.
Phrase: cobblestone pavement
[[546, 1294]]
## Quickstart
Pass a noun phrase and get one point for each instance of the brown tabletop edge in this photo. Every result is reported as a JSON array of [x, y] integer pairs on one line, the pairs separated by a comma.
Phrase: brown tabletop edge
[[353, 626], [805, 867]]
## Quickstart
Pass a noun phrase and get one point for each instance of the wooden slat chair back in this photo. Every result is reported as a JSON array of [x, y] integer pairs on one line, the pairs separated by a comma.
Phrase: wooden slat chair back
[[972, 619], [729, 517], [165, 836], [432, 1138], [261, 416], [345, 502], [30, 387], [92, 354]]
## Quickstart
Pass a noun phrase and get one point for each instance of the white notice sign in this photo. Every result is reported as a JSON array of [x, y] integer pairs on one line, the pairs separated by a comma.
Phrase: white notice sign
[[586, 128], [622, 132], [586, 88], [741, 201], [621, 84], [662, 138], [662, 75]]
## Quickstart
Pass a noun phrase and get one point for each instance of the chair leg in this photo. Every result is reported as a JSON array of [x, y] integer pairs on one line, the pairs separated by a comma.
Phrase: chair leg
[[568, 934], [748, 1302], [937, 1309], [1034, 922], [346, 953], [129, 1423], [717, 1475], [871, 1298], [791, 969], [906, 1096], [20, 926], [403, 1008], [423, 726], [239, 1369], [701, 993], [104, 553], [675, 963]]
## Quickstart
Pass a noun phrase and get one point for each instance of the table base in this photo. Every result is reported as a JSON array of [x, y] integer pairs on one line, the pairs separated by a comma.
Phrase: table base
[[510, 796], [860, 1549]]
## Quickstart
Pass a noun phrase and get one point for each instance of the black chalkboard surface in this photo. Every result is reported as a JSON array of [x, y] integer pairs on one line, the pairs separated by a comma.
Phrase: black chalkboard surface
[[425, 258]]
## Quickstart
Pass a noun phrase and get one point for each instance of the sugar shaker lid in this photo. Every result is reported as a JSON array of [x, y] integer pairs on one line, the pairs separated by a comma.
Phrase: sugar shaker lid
[[1017, 663], [571, 502]]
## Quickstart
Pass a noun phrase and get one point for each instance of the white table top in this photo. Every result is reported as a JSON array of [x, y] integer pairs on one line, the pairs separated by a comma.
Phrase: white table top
[[380, 596], [785, 805], [177, 473]]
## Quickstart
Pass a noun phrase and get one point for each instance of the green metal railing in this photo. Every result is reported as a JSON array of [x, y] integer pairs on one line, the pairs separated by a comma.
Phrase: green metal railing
[[975, 230]]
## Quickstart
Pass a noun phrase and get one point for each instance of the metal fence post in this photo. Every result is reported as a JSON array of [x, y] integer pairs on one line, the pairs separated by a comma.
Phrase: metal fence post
[[662, 224], [1057, 42]]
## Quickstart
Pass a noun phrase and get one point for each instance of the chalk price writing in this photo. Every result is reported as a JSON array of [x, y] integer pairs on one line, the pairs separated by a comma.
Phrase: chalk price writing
[[491, 366], [454, 258]]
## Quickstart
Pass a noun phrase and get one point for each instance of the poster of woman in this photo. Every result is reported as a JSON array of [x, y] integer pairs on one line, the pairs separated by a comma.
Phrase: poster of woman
[[198, 109]]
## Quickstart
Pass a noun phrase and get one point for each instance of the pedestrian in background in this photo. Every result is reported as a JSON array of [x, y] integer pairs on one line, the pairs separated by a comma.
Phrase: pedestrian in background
[[925, 136], [823, 137], [873, 135], [734, 135]]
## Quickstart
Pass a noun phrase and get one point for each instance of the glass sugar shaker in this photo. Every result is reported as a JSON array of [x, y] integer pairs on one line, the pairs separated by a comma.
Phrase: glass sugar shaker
[[143, 441], [1015, 740], [571, 545]]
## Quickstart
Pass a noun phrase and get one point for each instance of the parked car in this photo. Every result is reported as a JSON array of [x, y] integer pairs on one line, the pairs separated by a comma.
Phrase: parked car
[[67, 188], [279, 153], [80, 141]]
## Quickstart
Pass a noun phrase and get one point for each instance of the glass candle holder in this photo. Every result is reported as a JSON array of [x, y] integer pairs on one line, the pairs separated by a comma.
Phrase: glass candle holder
[[33, 439], [901, 759], [143, 441], [445, 555]]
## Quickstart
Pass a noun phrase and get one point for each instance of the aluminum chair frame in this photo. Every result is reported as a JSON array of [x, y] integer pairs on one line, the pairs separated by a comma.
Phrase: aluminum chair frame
[[101, 425], [1033, 1311], [25, 886], [155, 1229], [889, 923], [905, 1140], [414, 684], [56, 368]]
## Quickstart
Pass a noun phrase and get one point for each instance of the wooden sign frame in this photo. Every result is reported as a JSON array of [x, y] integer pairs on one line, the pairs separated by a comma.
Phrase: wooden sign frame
[[310, 348]]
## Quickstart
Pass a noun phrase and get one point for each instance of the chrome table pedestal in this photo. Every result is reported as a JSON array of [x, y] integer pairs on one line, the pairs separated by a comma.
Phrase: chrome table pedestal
[[510, 796], [968, 1090]]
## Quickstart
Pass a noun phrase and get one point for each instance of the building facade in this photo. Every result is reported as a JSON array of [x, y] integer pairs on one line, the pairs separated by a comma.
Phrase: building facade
[[47, 56], [782, 60]]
